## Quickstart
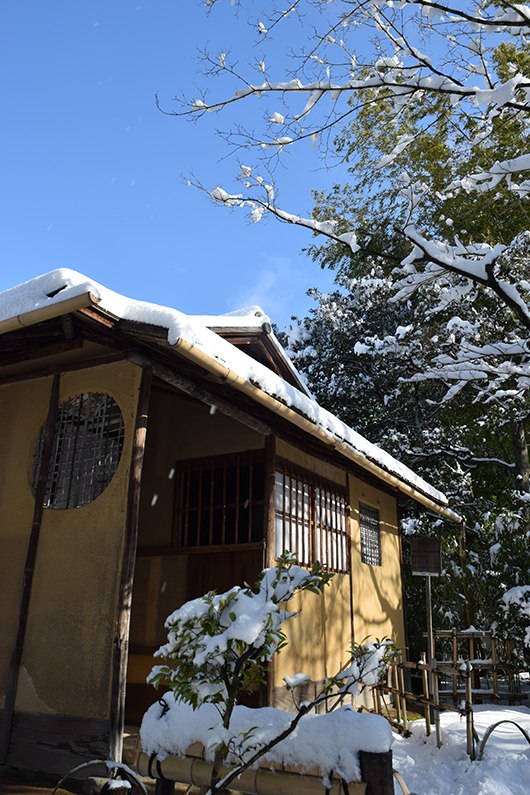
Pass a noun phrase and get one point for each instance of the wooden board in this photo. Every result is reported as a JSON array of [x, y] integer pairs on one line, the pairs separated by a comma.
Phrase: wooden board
[[56, 743]]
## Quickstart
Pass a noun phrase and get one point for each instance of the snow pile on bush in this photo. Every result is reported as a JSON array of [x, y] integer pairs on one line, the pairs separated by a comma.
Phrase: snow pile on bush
[[329, 742]]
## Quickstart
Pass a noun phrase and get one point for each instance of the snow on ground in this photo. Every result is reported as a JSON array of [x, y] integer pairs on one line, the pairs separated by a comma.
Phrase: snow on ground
[[503, 770]]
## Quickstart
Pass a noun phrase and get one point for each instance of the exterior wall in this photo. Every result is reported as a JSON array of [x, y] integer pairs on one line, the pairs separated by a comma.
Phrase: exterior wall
[[377, 590], [320, 637], [319, 468], [67, 654]]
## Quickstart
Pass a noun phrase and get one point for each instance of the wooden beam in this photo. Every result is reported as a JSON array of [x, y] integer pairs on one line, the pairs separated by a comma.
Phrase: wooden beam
[[39, 352], [29, 569], [121, 635], [188, 387], [67, 368]]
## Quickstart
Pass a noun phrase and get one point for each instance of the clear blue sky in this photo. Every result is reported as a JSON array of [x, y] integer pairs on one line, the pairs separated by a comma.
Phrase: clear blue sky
[[90, 171]]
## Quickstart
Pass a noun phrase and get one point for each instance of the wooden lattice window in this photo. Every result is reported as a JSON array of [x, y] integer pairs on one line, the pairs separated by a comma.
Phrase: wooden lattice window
[[370, 535], [311, 519], [87, 445], [220, 501]]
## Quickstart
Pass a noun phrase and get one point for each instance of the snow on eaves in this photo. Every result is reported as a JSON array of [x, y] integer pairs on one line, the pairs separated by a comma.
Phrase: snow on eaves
[[35, 294], [251, 317]]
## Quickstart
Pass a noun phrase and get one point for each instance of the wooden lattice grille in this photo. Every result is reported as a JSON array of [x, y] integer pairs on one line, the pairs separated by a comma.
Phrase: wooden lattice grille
[[311, 520], [370, 535], [220, 501], [87, 445]]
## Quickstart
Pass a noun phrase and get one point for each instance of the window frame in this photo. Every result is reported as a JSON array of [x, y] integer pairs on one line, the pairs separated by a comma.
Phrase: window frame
[[370, 542], [336, 541], [88, 442], [201, 464]]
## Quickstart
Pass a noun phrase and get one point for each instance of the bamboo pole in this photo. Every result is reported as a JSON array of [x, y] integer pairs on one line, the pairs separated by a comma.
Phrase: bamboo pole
[[403, 698], [436, 701], [425, 680], [394, 670], [510, 672], [193, 770]]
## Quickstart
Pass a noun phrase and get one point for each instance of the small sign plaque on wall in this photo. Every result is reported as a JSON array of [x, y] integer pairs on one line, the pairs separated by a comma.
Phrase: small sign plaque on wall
[[426, 556]]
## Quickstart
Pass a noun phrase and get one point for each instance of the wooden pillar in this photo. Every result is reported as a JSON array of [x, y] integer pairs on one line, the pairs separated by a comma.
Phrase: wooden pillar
[[16, 657], [121, 634], [269, 555], [376, 772], [270, 501]]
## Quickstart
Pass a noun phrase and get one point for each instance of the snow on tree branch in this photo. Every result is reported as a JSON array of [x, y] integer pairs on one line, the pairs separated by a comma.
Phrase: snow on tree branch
[[398, 58]]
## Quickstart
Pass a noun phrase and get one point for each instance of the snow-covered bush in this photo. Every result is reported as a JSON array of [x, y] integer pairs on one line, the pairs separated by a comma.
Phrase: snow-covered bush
[[218, 648]]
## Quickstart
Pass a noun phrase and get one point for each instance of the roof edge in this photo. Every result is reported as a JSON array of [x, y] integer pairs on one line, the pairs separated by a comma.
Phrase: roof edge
[[55, 309], [233, 379]]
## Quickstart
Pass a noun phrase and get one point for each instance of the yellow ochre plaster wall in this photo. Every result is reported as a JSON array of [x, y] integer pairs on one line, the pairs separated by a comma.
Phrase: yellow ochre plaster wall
[[377, 590], [68, 648], [320, 468], [319, 638]]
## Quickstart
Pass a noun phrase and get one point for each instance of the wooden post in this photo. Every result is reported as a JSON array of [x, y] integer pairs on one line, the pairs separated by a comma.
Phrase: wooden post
[[269, 554], [494, 671], [270, 501], [16, 657], [455, 659], [510, 672], [436, 701], [121, 634], [427, 709], [403, 698], [164, 786], [469, 713], [395, 682], [376, 772]]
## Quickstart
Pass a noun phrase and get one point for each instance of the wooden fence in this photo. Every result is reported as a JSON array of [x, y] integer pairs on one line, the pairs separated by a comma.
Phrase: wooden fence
[[433, 698]]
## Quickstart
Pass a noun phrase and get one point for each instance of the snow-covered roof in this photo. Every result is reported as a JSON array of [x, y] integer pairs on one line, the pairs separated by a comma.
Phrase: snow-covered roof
[[45, 296], [252, 320], [251, 317]]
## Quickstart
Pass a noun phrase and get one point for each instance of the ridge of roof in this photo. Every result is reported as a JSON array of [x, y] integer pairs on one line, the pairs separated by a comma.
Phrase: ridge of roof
[[55, 288]]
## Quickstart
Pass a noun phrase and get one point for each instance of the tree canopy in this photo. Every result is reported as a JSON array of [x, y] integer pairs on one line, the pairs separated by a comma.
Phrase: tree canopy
[[429, 106]]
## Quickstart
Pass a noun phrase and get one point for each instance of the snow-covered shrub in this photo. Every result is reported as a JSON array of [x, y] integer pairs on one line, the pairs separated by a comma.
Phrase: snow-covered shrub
[[219, 646]]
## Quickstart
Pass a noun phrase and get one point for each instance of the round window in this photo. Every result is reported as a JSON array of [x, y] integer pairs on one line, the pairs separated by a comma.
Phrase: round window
[[87, 445]]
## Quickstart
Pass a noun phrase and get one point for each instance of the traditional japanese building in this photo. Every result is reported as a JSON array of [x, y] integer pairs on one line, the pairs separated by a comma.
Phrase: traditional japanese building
[[147, 457]]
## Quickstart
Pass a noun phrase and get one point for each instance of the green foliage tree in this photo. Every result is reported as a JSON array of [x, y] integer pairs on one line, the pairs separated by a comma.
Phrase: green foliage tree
[[368, 358]]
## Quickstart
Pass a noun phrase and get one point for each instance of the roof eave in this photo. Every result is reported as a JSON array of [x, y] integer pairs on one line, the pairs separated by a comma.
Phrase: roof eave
[[53, 310], [191, 352], [269, 401]]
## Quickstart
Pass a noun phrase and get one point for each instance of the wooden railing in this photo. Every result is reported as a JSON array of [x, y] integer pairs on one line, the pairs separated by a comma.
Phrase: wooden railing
[[433, 699]]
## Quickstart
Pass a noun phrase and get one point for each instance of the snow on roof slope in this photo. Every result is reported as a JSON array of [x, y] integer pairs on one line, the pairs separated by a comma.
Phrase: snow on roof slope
[[251, 317], [34, 294]]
